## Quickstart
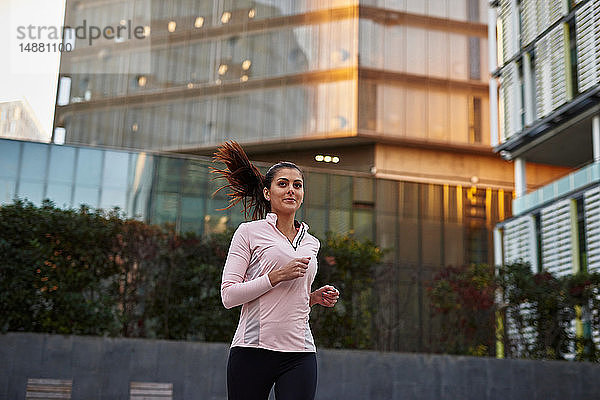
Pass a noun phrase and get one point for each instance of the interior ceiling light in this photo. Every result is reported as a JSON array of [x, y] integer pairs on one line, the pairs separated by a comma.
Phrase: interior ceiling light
[[199, 22], [327, 158], [223, 69], [142, 80], [246, 65], [225, 17], [252, 13], [244, 78], [146, 31], [172, 25]]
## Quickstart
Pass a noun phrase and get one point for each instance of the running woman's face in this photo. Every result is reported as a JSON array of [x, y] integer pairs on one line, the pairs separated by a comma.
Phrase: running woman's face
[[287, 191]]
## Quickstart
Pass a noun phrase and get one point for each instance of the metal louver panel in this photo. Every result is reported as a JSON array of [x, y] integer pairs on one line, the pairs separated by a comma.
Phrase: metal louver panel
[[528, 21], [551, 71], [521, 338], [591, 210], [587, 34], [556, 9], [520, 245], [591, 213], [556, 239], [509, 100], [508, 32], [559, 63], [519, 241], [543, 97], [543, 15], [557, 247]]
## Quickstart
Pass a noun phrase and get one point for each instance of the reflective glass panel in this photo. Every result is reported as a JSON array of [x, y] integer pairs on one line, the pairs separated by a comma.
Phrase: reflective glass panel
[[316, 192], [115, 169], [165, 208], [60, 194], [192, 214], [32, 191], [363, 224], [341, 189], [7, 190], [86, 195], [34, 163], [339, 221], [316, 218], [89, 167], [9, 158], [62, 164], [111, 198]]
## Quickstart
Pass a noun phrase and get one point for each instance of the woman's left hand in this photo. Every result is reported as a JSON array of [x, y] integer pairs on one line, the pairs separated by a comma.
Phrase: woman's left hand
[[326, 296]]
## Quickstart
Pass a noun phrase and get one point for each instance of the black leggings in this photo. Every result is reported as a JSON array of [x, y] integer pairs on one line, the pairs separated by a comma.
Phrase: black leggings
[[251, 373]]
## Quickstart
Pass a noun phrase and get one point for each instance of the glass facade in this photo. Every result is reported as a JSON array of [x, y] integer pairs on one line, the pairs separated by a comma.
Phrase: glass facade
[[422, 226], [268, 72], [254, 71]]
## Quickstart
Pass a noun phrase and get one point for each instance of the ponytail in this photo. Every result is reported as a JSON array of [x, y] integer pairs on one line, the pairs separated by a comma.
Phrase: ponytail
[[245, 180]]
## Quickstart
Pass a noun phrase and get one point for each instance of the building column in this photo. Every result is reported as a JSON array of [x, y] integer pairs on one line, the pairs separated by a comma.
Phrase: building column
[[596, 137], [520, 178], [493, 64]]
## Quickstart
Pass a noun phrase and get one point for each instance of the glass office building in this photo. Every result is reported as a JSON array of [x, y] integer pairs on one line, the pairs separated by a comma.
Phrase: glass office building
[[422, 225], [359, 79]]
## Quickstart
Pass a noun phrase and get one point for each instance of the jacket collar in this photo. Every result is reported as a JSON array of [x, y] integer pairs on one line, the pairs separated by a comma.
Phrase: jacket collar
[[301, 226]]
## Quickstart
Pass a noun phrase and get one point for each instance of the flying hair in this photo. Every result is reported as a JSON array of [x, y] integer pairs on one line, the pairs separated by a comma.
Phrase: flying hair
[[244, 180]]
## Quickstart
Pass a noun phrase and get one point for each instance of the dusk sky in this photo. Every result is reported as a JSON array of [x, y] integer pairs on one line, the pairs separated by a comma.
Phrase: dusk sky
[[29, 76]]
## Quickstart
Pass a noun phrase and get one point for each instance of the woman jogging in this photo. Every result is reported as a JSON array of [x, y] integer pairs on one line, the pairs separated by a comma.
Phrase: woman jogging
[[270, 267]]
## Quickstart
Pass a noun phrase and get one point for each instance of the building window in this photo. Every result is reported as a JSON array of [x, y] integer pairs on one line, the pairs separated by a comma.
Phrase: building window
[[474, 58], [573, 59], [522, 90], [581, 229], [475, 123], [473, 10]]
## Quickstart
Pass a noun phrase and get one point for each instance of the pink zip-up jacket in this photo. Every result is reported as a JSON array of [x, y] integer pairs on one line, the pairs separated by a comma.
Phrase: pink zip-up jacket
[[272, 317]]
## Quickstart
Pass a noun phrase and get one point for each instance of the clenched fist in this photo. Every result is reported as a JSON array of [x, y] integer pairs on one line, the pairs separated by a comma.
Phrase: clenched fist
[[292, 270]]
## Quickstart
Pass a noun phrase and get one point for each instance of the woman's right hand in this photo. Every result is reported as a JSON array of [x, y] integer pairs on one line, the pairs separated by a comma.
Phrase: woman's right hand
[[292, 270]]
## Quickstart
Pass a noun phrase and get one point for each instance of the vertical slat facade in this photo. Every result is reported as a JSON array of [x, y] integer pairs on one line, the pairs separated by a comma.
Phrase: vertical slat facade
[[507, 17], [529, 22], [552, 71], [591, 211], [510, 101], [591, 206], [587, 35], [556, 239], [520, 246]]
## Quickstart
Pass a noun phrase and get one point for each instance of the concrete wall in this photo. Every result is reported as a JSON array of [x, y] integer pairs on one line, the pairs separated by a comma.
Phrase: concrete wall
[[101, 368]]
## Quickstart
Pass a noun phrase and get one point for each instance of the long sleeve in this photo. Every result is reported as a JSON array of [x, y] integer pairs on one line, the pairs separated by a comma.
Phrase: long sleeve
[[234, 290]]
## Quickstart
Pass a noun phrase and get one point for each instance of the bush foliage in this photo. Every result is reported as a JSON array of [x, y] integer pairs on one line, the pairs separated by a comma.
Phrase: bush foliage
[[539, 311], [91, 272]]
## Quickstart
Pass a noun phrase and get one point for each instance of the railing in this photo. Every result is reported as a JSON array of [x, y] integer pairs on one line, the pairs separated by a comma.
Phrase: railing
[[578, 180]]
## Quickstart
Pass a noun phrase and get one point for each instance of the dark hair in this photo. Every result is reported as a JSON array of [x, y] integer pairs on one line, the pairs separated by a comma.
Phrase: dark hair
[[245, 180]]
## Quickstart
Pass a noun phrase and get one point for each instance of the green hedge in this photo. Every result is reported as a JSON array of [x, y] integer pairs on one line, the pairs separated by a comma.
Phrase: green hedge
[[537, 309], [91, 272]]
